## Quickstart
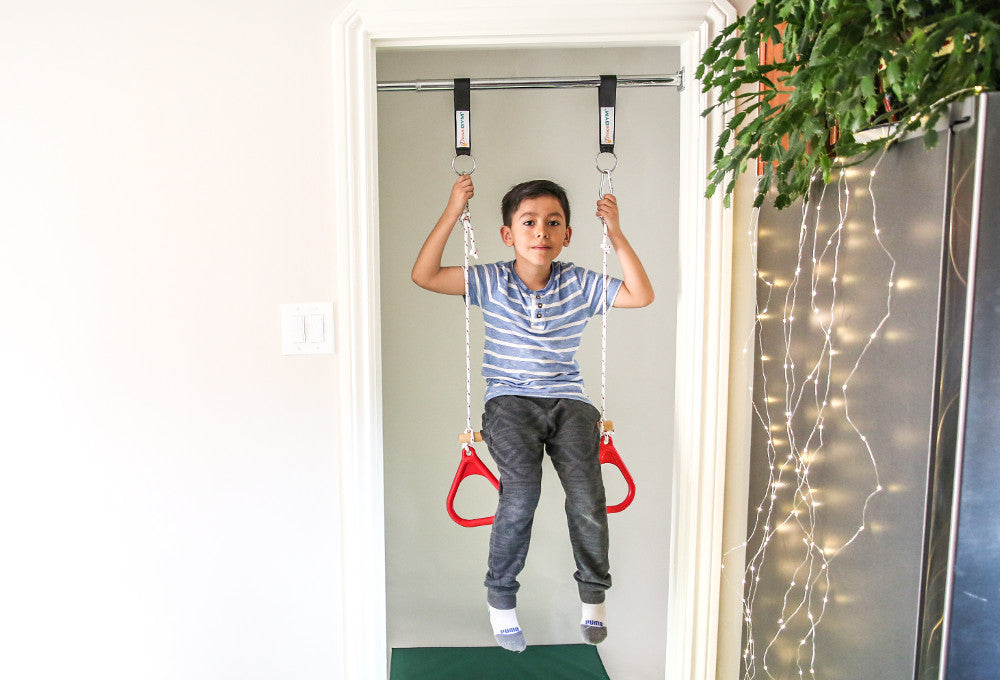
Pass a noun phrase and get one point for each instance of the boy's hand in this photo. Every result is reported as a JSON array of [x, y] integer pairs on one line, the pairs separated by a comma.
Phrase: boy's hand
[[607, 208], [427, 270], [461, 192], [636, 290]]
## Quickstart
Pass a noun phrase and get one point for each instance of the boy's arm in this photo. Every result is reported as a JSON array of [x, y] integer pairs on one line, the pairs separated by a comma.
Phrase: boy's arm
[[427, 270], [636, 291]]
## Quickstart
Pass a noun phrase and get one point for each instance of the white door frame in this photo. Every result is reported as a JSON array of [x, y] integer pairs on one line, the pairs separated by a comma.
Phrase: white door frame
[[699, 431]]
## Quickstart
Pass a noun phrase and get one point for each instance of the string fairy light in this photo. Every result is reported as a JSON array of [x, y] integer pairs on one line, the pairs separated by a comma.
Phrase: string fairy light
[[794, 421], [812, 400]]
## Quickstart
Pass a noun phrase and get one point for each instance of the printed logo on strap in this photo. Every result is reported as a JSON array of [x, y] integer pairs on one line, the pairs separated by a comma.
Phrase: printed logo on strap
[[462, 130], [607, 125]]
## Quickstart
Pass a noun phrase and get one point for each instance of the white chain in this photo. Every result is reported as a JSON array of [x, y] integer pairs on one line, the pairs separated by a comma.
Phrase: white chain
[[605, 248], [469, 247]]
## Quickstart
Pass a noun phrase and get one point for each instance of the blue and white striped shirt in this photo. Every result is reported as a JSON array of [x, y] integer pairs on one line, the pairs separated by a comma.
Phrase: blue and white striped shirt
[[532, 336]]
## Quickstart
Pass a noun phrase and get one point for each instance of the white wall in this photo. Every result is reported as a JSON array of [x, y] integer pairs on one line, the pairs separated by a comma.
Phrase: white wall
[[169, 483], [435, 568]]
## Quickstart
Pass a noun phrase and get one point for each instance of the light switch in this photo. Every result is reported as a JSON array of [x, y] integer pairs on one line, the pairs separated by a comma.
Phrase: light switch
[[314, 328], [307, 328], [297, 329]]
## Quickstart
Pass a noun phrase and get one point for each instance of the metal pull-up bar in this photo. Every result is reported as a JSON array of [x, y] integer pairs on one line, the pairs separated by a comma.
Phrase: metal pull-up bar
[[674, 80]]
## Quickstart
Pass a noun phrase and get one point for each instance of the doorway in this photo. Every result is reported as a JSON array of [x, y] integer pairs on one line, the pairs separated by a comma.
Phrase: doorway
[[434, 569], [704, 272]]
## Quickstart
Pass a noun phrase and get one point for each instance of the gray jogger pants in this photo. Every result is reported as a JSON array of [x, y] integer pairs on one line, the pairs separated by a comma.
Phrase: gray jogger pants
[[517, 431]]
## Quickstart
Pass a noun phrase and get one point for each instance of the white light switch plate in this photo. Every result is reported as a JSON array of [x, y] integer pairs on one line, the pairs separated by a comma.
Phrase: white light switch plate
[[307, 328]]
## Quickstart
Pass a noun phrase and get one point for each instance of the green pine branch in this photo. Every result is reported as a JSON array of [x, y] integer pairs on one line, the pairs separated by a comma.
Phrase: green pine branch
[[843, 60]]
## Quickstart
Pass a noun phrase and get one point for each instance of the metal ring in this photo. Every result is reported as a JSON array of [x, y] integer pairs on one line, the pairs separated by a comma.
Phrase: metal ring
[[459, 172], [606, 155]]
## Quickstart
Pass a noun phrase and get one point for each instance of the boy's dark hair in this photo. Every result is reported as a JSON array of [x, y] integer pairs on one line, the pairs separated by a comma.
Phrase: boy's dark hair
[[532, 189]]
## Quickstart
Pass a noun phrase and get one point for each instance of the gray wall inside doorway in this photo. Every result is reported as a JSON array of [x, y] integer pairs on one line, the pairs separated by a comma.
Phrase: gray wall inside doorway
[[434, 567]]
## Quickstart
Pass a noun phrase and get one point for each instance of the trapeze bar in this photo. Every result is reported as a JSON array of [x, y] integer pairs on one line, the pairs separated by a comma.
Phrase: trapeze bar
[[674, 80]]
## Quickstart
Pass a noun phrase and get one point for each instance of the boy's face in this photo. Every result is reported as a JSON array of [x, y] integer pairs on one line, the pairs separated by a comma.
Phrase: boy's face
[[538, 231]]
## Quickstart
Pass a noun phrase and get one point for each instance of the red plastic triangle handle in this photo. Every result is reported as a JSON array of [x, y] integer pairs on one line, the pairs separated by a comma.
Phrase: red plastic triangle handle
[[469, 465], [609, 456]]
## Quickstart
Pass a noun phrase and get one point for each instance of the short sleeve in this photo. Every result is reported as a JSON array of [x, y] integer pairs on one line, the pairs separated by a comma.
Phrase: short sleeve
[[477, 284], [593, 288]]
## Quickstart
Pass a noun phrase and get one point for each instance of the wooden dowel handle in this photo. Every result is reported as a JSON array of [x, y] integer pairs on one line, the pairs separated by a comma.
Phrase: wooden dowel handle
[[464, 437]]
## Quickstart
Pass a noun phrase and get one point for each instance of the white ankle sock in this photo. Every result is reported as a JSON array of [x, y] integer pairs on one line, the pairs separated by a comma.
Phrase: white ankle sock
[[594, 626], [504, 621], [506, 630], [594, 615]]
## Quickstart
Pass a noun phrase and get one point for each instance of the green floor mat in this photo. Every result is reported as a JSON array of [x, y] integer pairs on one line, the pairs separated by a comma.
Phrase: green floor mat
[[541, 662]]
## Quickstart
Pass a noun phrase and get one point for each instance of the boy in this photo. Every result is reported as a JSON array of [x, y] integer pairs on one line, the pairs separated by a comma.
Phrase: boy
[[535, 309]]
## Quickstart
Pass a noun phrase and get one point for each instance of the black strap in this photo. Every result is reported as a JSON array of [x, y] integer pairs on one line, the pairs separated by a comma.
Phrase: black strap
[[463, 138], [606, 93]]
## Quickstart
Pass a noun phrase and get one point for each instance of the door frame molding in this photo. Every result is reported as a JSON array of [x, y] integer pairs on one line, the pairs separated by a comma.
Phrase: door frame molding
[[703, 306]]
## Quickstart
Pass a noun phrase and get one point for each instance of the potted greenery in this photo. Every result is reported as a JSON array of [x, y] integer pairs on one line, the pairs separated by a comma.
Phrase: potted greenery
[[847, 65]]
